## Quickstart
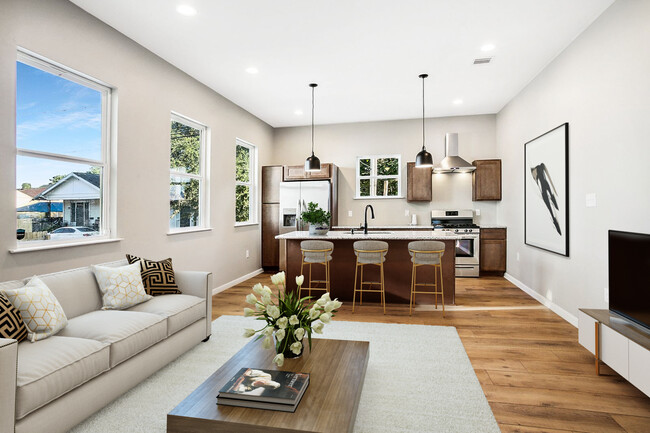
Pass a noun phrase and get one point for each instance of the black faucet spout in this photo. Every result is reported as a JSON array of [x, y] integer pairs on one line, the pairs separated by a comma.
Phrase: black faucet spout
[[365, 218]]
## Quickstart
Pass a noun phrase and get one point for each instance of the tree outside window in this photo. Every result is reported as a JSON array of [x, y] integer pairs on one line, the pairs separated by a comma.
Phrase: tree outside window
[[187, 173], [378, 176], [245, 169]]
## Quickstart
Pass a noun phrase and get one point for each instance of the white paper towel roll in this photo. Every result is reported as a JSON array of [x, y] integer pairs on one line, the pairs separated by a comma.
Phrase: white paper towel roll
[[414, 219]]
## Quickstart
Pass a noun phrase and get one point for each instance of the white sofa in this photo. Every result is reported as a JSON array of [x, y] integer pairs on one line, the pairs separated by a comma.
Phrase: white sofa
[[53, 384]]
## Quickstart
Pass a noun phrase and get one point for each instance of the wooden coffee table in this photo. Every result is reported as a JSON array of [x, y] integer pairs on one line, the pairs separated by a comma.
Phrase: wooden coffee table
[[337, 369]]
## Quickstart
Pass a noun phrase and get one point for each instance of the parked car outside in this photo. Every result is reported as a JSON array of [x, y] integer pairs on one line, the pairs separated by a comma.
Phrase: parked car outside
[[72, 232]]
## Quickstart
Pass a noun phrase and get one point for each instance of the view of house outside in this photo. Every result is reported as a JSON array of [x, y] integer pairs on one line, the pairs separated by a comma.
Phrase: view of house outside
[[58, 136]]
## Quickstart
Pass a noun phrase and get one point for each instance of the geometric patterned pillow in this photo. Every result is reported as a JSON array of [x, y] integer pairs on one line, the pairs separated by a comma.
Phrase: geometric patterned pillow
[[121, 287], [39, 309], [157, 277], [11, 324]]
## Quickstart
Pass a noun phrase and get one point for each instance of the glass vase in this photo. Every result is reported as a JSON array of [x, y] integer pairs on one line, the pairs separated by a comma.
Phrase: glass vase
[[284, 346]]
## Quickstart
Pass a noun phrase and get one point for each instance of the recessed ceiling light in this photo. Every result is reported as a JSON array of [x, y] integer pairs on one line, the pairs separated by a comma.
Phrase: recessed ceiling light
[[487, 47], [298, 112], [457, 101], [186, 10], [252, 70]]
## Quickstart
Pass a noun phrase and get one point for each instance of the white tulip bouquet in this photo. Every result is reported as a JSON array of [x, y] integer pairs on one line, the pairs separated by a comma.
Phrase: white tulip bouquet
[[289, 318]]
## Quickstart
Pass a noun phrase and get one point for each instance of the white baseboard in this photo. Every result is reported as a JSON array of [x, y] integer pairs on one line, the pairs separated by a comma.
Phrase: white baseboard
[[229, 284], [544, 301]]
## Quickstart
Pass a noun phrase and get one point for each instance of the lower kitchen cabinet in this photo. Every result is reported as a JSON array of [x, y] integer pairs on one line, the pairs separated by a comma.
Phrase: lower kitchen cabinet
[[493, 247]]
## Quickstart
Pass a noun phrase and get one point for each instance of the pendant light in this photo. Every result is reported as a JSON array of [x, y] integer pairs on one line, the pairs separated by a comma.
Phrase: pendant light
[[312, 163], [423, 158]]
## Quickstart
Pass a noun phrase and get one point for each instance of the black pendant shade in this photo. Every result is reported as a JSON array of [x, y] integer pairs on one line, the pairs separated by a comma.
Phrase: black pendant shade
[[312, 163], [423, 158]]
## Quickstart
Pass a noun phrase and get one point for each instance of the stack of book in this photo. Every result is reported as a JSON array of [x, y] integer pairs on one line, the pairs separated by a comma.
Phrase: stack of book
[[264, 389]]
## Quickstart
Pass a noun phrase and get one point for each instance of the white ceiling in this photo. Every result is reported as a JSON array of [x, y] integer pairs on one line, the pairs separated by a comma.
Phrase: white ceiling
[[365, 55]]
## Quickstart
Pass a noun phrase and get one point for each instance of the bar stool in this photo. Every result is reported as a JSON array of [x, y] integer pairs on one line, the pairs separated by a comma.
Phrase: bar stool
[[427, 253], [370, 253], [316, 253]]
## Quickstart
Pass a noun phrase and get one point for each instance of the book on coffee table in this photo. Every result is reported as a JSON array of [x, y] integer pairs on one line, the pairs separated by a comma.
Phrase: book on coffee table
[[264, 386], [224, 401]]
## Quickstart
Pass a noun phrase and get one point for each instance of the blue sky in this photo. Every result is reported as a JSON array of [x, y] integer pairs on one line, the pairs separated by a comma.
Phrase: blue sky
[[54, 115]]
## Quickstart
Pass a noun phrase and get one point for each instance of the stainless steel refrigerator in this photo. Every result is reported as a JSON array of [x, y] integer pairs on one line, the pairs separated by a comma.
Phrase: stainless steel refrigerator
[[294, 198]]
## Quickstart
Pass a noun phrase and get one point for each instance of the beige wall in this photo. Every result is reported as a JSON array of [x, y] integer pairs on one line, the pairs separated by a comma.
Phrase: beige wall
[[342, 143], [599, 84], [148, 89]]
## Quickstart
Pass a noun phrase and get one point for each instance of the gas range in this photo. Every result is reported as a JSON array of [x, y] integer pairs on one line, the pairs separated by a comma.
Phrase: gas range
[[461, 222]]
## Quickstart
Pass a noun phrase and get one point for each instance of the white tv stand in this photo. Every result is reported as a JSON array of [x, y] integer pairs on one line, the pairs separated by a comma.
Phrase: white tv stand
[[619, 343]]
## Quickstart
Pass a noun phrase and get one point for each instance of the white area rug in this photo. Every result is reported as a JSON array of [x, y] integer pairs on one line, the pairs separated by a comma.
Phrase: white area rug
[[419, 379]]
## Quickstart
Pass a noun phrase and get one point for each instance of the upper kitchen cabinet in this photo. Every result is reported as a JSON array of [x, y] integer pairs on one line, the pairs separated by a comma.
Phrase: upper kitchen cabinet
[[486, 180], [271, 179], [418, 183], [297, 172]]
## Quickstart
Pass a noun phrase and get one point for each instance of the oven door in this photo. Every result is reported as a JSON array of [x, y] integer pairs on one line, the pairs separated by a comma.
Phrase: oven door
[[467, 250]]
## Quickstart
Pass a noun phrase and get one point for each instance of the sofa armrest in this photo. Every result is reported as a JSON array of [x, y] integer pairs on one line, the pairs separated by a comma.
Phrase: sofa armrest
[[8, 369], [198, 284]]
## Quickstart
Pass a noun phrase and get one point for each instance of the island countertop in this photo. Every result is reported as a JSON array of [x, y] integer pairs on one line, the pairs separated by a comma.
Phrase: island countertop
[[408, 235], [398, 266]]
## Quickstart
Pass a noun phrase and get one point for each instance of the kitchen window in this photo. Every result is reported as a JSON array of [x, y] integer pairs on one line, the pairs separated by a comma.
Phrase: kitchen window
[[188, 204], [62, 155], [245, 183], [379, 176]]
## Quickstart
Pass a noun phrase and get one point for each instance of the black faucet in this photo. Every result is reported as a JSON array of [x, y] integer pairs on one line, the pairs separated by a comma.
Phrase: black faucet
[[365, 218]]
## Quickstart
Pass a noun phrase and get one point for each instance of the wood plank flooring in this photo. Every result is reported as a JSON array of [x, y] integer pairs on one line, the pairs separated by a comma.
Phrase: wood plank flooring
[[535, 375]]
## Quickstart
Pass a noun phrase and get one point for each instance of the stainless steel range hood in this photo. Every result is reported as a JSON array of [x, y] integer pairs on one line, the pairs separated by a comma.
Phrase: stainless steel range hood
[[452, 163]]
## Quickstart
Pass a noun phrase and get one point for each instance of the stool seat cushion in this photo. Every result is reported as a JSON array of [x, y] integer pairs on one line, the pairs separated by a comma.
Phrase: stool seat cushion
[[370, 252], [426, 252], [317, 257]]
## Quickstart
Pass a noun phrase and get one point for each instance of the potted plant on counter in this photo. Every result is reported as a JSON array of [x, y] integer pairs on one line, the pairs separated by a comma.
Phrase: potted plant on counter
[[317, 218]]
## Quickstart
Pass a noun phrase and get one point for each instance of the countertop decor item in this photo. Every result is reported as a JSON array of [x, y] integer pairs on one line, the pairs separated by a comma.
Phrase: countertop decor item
[[289, 319], [312, 163], [423, 158], [546, 191], [317, 218]]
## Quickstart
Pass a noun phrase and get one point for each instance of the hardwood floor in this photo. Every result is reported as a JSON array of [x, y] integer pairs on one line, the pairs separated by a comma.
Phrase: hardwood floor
[[535, 375]]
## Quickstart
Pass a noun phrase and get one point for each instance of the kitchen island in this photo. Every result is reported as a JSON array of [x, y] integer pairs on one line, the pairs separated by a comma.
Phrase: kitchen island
[[397, 267]]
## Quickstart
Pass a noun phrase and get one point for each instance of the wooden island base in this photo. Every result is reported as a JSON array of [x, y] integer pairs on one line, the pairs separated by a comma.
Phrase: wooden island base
[[397, 272]]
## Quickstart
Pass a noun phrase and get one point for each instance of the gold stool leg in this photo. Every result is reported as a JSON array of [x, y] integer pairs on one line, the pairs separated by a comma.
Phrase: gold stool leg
[[354, 293], [310, 279], [442, 292], [361, 286], [412, 288], [435, 287], [383, 292], [302, 263]]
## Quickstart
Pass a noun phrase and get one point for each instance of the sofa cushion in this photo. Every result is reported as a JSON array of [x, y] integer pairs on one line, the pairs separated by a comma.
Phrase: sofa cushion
[[76, 290], [128, 332], [39, 309], [180, 310], [157, 277], [121, 286], [50, 368], [11, 324]]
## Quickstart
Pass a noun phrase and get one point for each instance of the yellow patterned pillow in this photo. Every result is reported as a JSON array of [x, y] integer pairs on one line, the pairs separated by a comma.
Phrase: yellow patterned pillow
[[121, 287], [39, 309]]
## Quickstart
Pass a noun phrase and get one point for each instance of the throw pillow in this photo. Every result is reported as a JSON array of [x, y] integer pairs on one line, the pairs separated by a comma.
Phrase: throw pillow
[[11, 324], [40, 310], [157, 277], [121, 287]]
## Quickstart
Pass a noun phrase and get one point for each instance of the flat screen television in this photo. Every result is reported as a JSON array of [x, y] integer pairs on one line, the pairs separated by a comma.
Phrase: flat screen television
[[629, 275]]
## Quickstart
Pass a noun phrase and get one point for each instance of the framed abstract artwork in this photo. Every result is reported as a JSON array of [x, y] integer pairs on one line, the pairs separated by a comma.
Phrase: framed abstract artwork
[[546, 191]]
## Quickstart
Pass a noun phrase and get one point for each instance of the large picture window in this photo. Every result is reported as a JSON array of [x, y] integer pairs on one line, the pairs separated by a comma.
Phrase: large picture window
[[245, 183], [379, 176], [188, 172], [62, 154]]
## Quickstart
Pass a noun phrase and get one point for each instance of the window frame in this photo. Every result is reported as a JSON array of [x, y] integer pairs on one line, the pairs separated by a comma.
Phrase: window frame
[[108, 221], [203, 176], [252, 183], [374, 177]]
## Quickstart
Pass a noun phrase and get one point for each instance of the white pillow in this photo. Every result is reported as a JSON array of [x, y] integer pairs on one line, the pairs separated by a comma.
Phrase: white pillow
[[39, 309], [121, 287]]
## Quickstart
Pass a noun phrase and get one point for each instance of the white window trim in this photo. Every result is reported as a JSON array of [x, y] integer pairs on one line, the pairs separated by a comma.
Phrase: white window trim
[[374, 177], [203, 177], [252, 184], [108, 224]]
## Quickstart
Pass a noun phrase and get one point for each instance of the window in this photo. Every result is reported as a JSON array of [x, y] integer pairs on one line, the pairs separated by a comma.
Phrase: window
[[379, 176], [62, 153], [187, 178], [245, 182]]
